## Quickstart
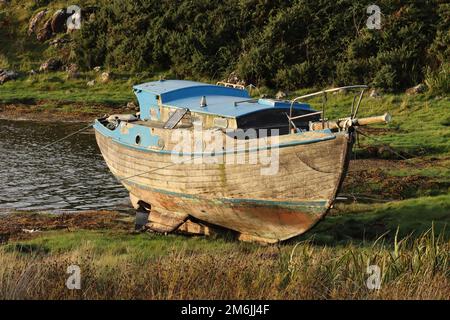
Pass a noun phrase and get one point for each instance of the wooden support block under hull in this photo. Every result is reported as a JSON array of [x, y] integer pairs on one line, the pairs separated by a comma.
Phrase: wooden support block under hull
[[164, 221], [200, 229], [193, 228]]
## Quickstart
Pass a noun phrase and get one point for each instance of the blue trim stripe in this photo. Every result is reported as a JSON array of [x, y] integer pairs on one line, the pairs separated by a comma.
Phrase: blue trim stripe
[[318, 204], [102, 130], [309, 204]]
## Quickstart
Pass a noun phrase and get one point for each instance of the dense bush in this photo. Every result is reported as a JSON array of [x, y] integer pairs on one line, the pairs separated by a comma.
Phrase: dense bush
[[287, 44]]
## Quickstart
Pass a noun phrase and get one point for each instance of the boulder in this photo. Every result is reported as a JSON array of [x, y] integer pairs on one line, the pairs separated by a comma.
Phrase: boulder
[[92, 17], [280, 95], [6, 75], [72, 67], [35, 21], [420, 88], [372, 151], [105, 77], [58, 21], [72, 18], [51, 64], [45, 33], [385, 152]]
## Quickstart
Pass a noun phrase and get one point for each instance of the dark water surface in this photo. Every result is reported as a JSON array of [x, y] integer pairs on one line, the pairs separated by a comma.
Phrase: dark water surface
[[68, 176]]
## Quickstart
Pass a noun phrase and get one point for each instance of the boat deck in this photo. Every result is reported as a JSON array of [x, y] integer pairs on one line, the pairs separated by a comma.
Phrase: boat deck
[[158, 124]]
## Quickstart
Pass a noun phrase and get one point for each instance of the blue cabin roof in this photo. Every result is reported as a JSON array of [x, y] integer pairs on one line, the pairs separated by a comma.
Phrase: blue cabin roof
[[220, 100], [165, 86]]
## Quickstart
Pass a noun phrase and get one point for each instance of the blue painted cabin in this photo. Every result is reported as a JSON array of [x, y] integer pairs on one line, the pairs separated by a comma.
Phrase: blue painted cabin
[[225, 107]]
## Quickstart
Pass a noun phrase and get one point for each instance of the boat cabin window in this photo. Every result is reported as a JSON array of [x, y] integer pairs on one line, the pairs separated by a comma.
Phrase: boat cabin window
[[275, 119]]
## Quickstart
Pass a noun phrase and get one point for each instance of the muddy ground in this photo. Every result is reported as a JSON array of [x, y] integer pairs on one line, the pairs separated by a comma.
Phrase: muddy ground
[[372, 179], [26, 225]]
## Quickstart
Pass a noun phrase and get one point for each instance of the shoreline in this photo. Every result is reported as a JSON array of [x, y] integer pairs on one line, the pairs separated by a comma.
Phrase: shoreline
[[347, 223], [26, 225], [38, 112]]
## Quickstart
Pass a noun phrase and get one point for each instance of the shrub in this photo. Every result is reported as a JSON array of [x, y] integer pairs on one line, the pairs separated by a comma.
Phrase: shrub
[[296, 76], [276, 43], [385, 78], [438, 81]]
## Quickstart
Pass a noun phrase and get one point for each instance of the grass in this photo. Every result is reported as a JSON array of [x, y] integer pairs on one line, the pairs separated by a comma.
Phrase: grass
[[54, 89], [419, 123], [367, 222], [21, 52], [115, 265], [408, 240], [142, 246], [439, 172]]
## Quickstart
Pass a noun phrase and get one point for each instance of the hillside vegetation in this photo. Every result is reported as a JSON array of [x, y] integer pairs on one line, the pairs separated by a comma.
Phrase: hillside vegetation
[[282, 44]]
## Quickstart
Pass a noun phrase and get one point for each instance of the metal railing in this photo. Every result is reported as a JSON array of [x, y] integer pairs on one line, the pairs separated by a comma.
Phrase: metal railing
[[353, 111]]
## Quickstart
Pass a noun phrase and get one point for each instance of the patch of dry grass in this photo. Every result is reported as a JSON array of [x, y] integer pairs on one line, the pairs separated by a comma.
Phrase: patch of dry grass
[[411, 268]]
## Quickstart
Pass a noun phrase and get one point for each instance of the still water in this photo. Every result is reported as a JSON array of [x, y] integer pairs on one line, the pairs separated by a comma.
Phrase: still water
[[68, 176]]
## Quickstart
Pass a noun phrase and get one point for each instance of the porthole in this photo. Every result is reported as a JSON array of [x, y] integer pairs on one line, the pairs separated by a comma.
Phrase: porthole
[[138, 139]]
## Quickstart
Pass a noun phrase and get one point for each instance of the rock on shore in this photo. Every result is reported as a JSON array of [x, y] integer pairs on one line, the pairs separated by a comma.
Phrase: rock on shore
[[6, 75]]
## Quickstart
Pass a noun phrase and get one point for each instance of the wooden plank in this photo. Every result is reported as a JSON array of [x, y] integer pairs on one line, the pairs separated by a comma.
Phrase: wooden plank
[[240, 179], [175, 118]]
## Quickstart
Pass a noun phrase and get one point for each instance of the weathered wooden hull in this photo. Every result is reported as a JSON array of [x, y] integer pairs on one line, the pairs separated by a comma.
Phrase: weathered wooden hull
[[267, 208]]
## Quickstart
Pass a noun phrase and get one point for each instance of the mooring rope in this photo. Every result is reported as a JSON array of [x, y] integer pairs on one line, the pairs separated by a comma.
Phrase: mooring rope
[[357, 196], [384, 145], [68, 136], [397, 153]]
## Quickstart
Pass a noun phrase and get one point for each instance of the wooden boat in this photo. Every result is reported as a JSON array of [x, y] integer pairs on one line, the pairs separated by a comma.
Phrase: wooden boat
[[300, 162]]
